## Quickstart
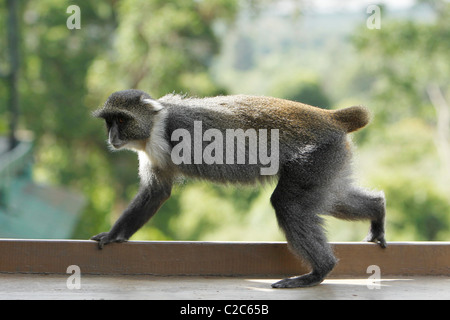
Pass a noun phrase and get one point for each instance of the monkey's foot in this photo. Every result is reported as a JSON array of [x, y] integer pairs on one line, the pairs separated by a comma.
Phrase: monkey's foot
[[105, 238], [377, 239], [376, 233], [307, 280]]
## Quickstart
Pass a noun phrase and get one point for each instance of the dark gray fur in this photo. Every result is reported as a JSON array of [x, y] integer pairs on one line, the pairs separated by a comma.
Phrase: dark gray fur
[[314, 165]]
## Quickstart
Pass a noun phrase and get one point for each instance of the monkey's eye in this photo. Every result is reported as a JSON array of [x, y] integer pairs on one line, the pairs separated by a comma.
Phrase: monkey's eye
[[121, 120]]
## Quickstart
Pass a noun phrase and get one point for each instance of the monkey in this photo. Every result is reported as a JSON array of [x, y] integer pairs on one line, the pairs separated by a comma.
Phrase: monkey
[[310, 145]]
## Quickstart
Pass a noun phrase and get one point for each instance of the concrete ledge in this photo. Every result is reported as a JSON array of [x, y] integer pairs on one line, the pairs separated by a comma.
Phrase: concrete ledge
[[259, 259]]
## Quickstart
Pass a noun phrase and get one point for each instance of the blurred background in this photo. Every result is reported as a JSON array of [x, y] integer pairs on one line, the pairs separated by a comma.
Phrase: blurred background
[[59, 180]]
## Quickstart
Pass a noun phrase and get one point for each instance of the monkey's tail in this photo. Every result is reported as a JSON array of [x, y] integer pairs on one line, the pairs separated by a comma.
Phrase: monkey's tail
[[352, 118]]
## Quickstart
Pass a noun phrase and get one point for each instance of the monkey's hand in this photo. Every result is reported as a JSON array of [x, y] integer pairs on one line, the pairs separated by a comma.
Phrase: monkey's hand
[[105, 238]]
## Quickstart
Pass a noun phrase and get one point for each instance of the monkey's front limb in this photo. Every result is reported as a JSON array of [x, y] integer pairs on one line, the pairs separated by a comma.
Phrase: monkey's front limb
[[146, 203]]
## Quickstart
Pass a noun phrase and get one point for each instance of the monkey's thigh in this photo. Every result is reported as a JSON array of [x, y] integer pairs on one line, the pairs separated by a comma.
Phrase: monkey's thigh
[[359, 204]]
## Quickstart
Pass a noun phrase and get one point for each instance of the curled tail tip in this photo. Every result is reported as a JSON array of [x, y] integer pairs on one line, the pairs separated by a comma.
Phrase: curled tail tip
[[352, 118]]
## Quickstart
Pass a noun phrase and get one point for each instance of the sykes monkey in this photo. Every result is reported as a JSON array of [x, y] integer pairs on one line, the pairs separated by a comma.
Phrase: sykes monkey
[[313, 155]]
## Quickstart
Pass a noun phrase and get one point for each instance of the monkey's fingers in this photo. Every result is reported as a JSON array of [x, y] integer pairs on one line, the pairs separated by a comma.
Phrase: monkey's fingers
[[102, 239], [105, 237]]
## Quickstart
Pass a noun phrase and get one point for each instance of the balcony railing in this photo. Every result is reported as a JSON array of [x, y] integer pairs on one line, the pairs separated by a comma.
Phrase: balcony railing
[[262, 259]]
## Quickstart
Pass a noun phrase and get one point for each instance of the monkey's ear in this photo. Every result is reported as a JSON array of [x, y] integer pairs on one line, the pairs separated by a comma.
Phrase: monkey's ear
[[99, 113], [153, 104]]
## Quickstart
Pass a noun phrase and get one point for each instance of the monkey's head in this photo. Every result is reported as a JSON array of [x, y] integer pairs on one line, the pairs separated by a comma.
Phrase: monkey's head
[[129, 117]]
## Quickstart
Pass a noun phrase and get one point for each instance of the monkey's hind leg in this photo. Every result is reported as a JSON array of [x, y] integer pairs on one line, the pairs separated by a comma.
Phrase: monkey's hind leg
[[360, 204], [297, 213]]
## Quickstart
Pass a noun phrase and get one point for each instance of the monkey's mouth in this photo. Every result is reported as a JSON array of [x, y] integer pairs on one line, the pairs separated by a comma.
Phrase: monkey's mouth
[[117, 144]]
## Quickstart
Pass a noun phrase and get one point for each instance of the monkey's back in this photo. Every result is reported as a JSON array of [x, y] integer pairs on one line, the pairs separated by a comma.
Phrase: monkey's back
[[302, 130], [294, 120]]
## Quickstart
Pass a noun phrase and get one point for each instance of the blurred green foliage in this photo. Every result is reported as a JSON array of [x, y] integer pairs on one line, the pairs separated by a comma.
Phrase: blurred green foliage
[[404, 60], [216, 47], [302, 88]]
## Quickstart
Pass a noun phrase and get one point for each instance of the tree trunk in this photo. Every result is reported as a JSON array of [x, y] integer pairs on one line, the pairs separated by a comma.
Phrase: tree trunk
[[13, 52]]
